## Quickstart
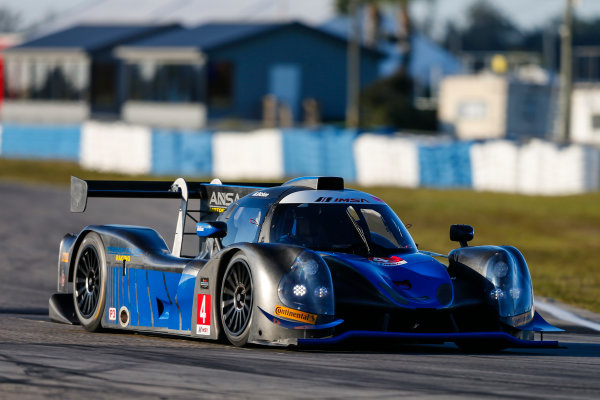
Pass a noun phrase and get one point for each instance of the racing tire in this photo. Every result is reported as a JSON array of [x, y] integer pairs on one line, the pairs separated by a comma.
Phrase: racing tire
[[236, 300], [89, 282]]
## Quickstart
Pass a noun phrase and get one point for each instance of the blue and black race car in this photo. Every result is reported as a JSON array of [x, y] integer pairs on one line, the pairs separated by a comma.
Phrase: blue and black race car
[[306, 262]]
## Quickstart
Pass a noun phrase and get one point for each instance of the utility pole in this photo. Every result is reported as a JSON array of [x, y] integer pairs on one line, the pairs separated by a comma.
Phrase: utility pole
[[353, 69], [566, 74]]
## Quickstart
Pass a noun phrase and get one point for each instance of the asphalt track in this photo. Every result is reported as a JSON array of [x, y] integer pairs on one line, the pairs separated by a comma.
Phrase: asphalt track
[[40, 359]]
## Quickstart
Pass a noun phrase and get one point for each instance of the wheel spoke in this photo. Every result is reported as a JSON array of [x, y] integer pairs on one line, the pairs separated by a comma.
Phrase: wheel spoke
[[87, 282]]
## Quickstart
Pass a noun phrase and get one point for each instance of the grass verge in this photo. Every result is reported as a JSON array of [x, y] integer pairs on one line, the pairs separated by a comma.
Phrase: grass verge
[[559, 236]]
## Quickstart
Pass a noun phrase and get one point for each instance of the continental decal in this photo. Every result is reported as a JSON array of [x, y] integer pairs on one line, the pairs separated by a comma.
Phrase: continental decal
[[296, 315], [217, 209], [120, 257]]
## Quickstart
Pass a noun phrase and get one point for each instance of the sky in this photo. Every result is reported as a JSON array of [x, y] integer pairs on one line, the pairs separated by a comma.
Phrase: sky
[[525, 13]]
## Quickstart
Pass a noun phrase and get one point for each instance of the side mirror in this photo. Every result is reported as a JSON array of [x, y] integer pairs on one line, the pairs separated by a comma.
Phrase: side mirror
[[213, 229], [461, 234]]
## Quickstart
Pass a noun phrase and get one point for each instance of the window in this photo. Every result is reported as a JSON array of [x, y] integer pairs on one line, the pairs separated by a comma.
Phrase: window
[[243, 225], [63, 80], [168, 83], [596, 122], [220, 84], [472, 110]]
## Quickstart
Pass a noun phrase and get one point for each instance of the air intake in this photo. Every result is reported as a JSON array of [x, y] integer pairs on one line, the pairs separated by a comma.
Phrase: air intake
[[318, 182]]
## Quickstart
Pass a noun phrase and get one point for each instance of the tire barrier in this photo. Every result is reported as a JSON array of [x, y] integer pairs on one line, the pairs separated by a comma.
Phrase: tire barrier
[[535, 167]]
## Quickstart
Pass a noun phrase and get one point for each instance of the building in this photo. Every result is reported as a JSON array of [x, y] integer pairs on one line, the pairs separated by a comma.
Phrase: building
[[585, 113], [6, 41], [487, 106], [188, 78], [69, 75]]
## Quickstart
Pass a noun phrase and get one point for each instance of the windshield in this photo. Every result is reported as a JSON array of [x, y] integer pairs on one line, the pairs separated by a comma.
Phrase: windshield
[[367, 229]]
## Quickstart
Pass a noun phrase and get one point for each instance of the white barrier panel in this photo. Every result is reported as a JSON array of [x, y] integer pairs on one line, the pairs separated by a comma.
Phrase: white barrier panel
[[252, 155], [116, 147], [386, 160], [570, 170], [494, 166]]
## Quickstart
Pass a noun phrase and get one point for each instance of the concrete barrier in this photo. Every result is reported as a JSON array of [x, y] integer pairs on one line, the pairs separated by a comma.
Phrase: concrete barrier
[[534, 168], [34, 141], [248, 155], [386, 160], [116, 147]]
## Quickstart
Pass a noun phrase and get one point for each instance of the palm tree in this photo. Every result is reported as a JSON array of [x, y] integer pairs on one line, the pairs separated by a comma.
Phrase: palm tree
[[373, 32]]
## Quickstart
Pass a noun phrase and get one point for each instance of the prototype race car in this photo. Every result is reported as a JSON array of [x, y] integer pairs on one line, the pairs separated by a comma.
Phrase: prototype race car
[[306, 262]]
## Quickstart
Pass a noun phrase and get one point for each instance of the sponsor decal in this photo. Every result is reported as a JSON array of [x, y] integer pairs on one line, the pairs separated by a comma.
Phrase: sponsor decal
[[377, 199], [112, 314], [64, 257], [260, 194], [62, 278], [388, 261], [219, 201], [204, 283], [120, 257], [123, 251], [340, 200], [203, 314], [296, 315]]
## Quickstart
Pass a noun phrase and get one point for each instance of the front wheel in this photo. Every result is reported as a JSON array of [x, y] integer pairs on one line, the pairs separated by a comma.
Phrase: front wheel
[[236, 300], [89, 282]]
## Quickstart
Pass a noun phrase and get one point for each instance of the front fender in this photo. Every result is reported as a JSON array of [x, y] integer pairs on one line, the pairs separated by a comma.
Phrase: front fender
[[269, 262], [497, 276]]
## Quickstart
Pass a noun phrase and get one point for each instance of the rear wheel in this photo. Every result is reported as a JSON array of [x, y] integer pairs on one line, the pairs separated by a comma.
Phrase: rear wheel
[[89, 282], [236, 300]]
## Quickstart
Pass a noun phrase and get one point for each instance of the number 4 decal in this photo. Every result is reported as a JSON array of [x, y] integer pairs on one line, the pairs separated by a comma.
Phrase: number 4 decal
[[203, 314]]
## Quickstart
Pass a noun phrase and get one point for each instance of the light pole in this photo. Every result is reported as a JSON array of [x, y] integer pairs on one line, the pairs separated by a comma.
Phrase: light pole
[[566, 73], [353, 69]]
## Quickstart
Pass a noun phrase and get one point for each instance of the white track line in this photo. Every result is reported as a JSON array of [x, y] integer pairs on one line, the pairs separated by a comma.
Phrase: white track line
[[566, 315]]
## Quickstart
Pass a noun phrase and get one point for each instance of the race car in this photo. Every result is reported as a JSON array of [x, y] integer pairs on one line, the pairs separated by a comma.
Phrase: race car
[[303, 263]]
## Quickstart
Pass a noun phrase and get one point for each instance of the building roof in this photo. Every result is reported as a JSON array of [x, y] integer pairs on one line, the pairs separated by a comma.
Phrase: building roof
[[91, 38], [214, 35], [207, 36]]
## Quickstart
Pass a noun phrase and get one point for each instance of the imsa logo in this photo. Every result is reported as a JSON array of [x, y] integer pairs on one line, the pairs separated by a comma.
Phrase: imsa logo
[[340, 200]]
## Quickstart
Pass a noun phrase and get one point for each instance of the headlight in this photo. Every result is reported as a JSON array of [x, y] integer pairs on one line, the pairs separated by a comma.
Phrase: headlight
[[512, 291], [307, 286]]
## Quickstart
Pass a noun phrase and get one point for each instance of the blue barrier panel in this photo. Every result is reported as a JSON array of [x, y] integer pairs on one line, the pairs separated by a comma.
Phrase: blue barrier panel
[[41, 141], [164, 152], [196, 154], [181, 153], [338, 148], [326, 152], [445, 165], [302, 152]]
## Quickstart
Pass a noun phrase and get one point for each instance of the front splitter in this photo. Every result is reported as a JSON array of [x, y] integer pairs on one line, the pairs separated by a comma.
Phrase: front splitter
[[429, 338]]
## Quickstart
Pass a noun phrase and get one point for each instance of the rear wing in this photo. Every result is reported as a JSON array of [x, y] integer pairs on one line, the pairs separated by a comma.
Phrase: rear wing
[[214, 196]]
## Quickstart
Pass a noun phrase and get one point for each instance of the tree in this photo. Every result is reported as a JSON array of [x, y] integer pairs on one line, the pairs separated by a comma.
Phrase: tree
[[10, 21], [372, 24], [488, 29]]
